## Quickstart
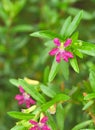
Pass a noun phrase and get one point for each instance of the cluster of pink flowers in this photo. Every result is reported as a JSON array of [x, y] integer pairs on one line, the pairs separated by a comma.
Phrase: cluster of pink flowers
[[41, 125], [24, 98], [60, 51]]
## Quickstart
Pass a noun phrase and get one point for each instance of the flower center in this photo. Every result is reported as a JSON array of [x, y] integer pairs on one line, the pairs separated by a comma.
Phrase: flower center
[[41, 125], [61, 47], [26, 96]]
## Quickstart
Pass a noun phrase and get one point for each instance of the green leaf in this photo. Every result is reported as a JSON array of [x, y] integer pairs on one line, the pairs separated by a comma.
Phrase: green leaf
[[74, 24], [78, 53], [74, 37], [46, 34], [89, 96], [22, 28], [48, 91], [17, 7], [74, 64], [2, 49], [65, 69], [46, 73], [32, 91], [92, 79], [87, 48], [14, 82], [57, 98], [49, 44], [65, 26], [4, 15], [54, 70], [60, 116], [20, 43], [7, 5], [19, 127], [87, 105], [20, 60], [82, 125], [20, 115], [86, 15], [43, 54], [51, 121]]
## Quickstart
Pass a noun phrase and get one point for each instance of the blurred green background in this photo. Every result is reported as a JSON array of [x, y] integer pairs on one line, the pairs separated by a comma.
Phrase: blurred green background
[[24, 56]]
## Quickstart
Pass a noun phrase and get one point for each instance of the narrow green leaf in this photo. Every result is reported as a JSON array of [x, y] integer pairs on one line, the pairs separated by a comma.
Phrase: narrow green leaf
[[87, 48], [43, 54], [74, 64], [88, 105], [14, 82], [92, 79], [17, 7], [48, 91], [20, 60], [51, 121], [49, 44], [65, 26], [78, 53], [54, 70], [57, 98], [60, 116], [64, 69], [32, 91], [46, 34], [4, 15], [20, 115], [89, 96], [21, 42], [19, 127], [86, 15], [46, 73], [74, 37], [22, 28], [82, 125], [74, 24]]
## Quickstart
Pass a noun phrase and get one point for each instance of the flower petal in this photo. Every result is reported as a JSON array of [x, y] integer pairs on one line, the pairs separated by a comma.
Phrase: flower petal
[[56, 42], [45, 127], [32, 101], [27, 103], [33, 122], [21, 89], [58, 57], [19, 97], [34, 128], [64, 57], [69, 54], [53, 51], [44, 119], [21, 102], [68, 42]]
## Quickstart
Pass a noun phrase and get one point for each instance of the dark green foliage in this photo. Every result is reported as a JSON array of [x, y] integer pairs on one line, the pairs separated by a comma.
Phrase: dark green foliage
[[22, 55]]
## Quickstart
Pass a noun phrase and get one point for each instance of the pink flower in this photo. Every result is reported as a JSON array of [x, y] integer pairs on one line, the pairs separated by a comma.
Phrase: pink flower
[[60, 51], [40, 125], [24, 98]]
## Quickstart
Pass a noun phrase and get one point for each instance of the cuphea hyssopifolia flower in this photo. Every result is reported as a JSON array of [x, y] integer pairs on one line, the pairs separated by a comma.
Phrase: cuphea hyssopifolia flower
[[24, 98], [60, 51], [41, 125]]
